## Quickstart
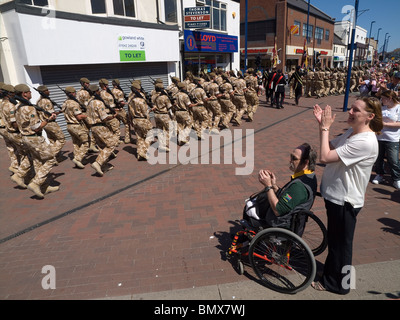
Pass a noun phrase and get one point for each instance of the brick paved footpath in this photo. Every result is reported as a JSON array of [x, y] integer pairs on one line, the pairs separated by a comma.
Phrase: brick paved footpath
[[148, 228]]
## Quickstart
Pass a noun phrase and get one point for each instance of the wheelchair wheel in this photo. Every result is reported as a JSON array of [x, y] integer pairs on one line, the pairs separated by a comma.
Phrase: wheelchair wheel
[[315, 234], [282, 260]]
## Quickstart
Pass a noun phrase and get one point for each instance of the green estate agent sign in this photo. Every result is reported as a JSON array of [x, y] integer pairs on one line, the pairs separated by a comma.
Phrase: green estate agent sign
[[132, 48]]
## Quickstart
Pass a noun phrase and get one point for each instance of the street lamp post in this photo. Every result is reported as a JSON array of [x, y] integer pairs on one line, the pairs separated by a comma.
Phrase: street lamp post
[[384, 45], [387, 44], [245, 37], [369, 40]]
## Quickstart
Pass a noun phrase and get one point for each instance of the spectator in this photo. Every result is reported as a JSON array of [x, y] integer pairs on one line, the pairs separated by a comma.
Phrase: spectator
[[349, 159], [364, 86], [389, 139]]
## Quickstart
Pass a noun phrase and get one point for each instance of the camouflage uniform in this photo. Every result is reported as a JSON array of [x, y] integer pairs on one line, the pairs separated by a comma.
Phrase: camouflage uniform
[[121, 113], [97, 116], [239, 99], [77, 129], [113, 124], [200, 115], [53, 130], [228, 108], [41, 153], [20, 163], [309, 83], [334, 80], [340, 82], [183, 117], [251, 95], [327, 82], [214, 105], [139, 112]]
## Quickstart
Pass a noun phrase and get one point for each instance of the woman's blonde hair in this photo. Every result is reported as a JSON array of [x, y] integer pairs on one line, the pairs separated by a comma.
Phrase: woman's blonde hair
[[374, 106], [390, 94]]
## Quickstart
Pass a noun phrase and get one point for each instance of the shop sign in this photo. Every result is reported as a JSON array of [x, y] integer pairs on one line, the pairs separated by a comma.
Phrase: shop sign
[[198, 18], [131, 48], [196, 41]]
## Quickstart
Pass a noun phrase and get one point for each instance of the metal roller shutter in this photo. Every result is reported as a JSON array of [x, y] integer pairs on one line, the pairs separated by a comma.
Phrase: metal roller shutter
[[65, 76]]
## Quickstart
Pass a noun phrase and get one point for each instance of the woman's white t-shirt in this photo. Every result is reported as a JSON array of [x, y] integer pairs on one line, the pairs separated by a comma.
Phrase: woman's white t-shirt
[[346, 180], [390, 115]]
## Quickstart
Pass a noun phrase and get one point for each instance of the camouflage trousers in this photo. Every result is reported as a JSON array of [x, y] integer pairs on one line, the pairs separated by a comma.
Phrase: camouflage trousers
[[18, 154], [42, 156], [142, 128], [185, 123], [122, 116], [56, 136], [201, 120], [215, 112], [253, 102], [241, 107], [80, 140], [115, 127], [228, 110], [162, 123], [107, 142]]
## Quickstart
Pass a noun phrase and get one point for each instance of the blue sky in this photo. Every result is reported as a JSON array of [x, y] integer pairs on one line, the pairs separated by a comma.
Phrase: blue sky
[[385, 13]]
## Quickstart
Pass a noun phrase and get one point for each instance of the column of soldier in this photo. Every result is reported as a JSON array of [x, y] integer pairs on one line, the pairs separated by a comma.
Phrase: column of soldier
[[34, 139]]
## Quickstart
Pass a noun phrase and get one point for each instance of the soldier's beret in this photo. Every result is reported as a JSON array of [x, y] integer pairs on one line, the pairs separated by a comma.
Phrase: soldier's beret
[[103, 81], [116, 81], [176, 79], [136, 85], [70, 89], [42, 88], [21, 88], [85, 80], [182, 85], [158, 80], [8, 88], [94, 87], [159, 86]]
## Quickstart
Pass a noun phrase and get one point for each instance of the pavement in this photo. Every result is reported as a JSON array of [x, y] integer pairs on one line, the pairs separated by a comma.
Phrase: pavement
[[159, 231]]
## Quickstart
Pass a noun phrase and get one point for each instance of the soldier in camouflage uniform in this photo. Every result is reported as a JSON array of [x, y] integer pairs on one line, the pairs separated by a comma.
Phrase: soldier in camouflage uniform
[[162, 115], [327, 81], [53, 129], [30, 125], [121, 113], [183, 118], [251, 94], [98, 118], [238, 99], [139, 113], [227, 106], [76, 127], [20, 163], [334, 80], [309, 83], [212, 102], [340, 81], [111, 108], [201, 119], [83, 97]]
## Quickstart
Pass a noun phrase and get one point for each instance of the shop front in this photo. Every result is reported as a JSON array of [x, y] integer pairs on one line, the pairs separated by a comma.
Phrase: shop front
[[204, 51]]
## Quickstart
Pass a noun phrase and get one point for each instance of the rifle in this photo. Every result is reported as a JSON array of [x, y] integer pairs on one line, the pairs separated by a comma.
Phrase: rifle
[[70, 96], [28, 103], [97, 97], [45, 96]]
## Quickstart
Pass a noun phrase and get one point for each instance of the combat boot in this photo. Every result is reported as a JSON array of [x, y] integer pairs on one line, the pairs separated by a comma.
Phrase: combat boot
[[50, 189], [78, 163], [36, 190], [97, 167], [19, 181]]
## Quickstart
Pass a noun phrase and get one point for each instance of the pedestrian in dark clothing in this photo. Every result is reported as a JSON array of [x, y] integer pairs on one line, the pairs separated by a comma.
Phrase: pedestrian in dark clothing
[[279, 85], [297, 77]]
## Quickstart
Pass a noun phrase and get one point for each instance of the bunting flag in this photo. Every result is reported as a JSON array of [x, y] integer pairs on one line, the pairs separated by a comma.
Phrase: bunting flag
[[275, 55], [304, 60]]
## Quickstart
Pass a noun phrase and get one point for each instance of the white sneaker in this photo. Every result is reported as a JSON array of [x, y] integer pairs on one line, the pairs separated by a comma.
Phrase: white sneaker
[[396, 184], [378, 179]]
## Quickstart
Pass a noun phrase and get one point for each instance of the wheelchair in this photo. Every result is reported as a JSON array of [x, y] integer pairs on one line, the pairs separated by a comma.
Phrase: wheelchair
[[282, 258]]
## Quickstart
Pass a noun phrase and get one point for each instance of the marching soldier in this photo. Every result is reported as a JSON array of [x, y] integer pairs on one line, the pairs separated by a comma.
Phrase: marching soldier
[[309, 83], [319, 82], [327, 81], [111, 108], [30, 125], [20, 163], [162, 115], [251, 94], [291, 87], [76, 126], [353, 80], [183, 118], [83, 96], [224, 98], [239, 100], [98, 118], [121, 113], [340, 81], [52, 129], [139, 113], [334, 80], [201, 120], [297, 77], [213, 103]]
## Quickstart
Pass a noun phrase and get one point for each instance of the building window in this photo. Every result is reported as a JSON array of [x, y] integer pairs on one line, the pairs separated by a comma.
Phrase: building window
[[218, 13], [39, 3], [319, 34], [310, 31], [297, 23], [98, 6], [327, 35], [170, 11], [124, 8]]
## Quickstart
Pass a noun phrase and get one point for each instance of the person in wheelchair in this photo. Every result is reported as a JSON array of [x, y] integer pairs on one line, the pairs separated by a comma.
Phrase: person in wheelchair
[[273, 206]]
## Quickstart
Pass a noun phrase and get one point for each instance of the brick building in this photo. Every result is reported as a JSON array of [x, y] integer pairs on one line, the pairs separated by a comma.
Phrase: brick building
[[285, 21]]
